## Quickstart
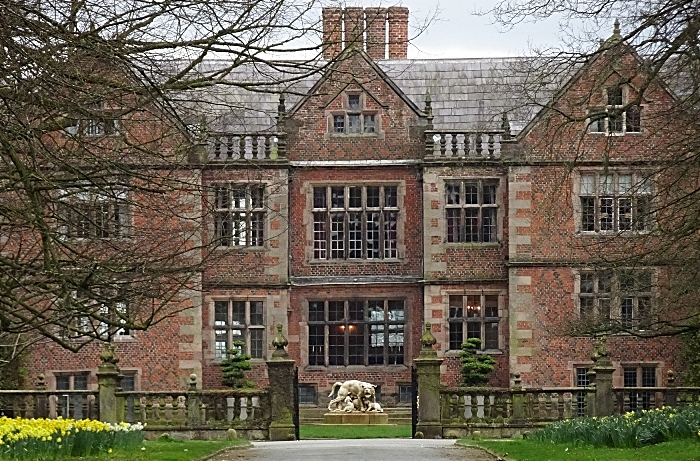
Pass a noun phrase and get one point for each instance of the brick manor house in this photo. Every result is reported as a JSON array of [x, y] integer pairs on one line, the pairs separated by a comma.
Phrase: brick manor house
[[390, 193]]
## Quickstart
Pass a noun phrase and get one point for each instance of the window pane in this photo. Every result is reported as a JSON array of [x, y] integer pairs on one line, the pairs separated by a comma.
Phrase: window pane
[[320, 244], [373, 196], [256, 343], [629, 376], [128, 383], [390, 197], [390, 234], [376, 345], [336, 311], [373, 233], [320, 197], [396, 313], [455, 302], [624, 213], [491, 302], [238, 313], [606, 214], [614, 95], [648, 377], [624, 183], [356, 311], [256, 313], [605, 184], [256, 196], [355, 235], [221, 313], [307, 393], [80, 382], [353, 123], [489, 225], [473, 308], [582, 379], [338, 235], [587, 283], [356, 344], [454, 231], [369, 124], [587, 184], [316, 345], [339, 123], [396, 344], [337, 197], [354, 101], [62, 382], [471, 228], [490, 193], [456, 335], [587, 214], [452, 193], [471, 193], [336, 345], [316, 311], [633, 122], [626, 312], [491, 335], [474, 331], [375, 311], [355, 197]]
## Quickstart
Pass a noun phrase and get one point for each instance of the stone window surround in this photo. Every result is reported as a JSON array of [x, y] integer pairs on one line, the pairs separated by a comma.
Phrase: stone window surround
[[576, 199], [500, 190], [614, 302], [304, 343], [51, 377], [210, 300], [267, 204], [502, 318], [590, 122], [362, 111], [307, 189]]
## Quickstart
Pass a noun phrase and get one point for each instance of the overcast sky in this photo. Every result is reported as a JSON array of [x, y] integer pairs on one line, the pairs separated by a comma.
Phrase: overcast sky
[[459, 33]]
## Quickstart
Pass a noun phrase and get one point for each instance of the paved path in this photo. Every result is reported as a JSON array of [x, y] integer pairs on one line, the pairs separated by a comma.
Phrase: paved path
[[357, 450]]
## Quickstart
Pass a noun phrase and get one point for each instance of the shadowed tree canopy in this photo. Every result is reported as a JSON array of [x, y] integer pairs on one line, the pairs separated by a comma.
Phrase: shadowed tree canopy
[[654, 50], [100, 226]]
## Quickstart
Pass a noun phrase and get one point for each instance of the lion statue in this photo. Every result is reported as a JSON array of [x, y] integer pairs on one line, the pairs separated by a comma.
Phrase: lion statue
[[359, 393]]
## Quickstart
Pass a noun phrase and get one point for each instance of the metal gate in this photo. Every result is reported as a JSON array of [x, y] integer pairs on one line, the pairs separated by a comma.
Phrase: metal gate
[[414, 401], [295, 413]]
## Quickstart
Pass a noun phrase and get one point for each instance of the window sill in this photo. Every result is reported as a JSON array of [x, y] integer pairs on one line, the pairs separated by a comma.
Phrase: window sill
[[353, 135], [615, 135], [474, 244], [354, 368], [355, 261], [456, 353], [612, 233], [241, 248]]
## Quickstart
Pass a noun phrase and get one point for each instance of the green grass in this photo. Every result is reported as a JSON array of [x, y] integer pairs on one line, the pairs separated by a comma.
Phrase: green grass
[[353, 432], [530, 450], [169, 450]]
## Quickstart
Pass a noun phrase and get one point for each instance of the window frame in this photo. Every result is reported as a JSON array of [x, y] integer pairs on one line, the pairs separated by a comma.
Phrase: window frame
[[615, 295], [639, 399], [81, 214], [246, 328], [455, 321], [340, 121], [599, 122], [345, 324], [630, 203], [462, 206], [249, 232], [335, 239]]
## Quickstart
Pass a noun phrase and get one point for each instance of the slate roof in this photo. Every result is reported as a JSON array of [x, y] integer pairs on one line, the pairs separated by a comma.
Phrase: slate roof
[[466, 94]]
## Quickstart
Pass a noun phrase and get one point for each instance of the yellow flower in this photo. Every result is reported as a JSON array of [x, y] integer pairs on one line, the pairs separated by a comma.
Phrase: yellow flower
[[109, 451]]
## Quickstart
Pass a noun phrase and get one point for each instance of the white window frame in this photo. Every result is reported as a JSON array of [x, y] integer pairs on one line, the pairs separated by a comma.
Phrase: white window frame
[[239, 221], [228, 330]]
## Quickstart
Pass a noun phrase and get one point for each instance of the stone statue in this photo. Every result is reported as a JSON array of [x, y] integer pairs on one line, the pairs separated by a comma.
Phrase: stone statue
[[352, 396]]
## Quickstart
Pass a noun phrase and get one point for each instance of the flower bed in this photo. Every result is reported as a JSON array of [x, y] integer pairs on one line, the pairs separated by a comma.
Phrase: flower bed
[[633, 429], [43, 439]]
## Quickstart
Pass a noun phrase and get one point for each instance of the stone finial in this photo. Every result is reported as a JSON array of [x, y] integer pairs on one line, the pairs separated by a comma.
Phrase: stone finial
[[41, 382], [517, 382], [428, 110], [670, 378], [615, 38], [281, 110], [193, 382], [108, 355], [616, 27], [280, 342], [427, 340], [505, 125]]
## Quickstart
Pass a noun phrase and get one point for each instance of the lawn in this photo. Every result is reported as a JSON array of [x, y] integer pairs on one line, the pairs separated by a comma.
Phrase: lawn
[[168, 450], [530, 450], [354, 432]]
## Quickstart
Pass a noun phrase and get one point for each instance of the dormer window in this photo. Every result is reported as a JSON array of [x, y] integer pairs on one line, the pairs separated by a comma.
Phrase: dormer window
[[355, 118], [617, 117]]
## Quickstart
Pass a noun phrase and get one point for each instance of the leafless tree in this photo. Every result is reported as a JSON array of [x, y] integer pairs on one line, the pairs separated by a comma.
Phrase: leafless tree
[[100, 219], [655, 45]]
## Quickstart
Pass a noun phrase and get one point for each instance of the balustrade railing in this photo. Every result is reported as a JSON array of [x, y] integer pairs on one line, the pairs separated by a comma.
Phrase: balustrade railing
[[244, 408], [223, 147], [81, 404], [645, 398], [463, 145]]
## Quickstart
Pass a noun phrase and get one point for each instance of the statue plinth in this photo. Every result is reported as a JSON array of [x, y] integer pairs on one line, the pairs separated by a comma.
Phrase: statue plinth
[[355, 417]]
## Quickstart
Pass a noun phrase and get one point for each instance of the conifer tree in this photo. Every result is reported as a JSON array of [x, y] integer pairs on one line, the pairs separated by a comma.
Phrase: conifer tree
[[234, 366], [475, 367]]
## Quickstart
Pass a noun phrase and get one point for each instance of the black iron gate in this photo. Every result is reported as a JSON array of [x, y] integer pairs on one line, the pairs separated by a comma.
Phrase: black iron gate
[[295, 414], [414, 401]]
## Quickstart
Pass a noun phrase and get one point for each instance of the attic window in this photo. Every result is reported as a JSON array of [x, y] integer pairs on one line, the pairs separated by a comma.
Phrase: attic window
[[618, 116], [354, 118]]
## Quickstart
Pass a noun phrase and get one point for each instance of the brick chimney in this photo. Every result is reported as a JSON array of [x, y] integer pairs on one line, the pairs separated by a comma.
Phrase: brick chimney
[[375, 27], [353, 18], [398, 32], [332, 32]]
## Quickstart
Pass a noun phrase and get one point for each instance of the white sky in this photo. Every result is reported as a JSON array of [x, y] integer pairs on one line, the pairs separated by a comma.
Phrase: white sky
[[459, 33]]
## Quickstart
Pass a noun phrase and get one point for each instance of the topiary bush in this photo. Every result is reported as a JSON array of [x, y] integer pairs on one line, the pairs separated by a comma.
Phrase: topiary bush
[[475, 367], [234, 367]]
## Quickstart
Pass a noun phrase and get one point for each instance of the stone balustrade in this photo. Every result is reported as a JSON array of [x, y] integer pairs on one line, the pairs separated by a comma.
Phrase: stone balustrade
[[228, 147], [49, 404], [463, 145]]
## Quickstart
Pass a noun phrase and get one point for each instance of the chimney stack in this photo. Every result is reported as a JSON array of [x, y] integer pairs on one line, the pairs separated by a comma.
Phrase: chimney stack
[[332, 32], [398, 32], [375, 26], [345, 28]]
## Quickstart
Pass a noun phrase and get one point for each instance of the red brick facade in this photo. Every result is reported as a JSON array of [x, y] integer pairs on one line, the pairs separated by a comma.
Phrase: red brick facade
[[531, 263]]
